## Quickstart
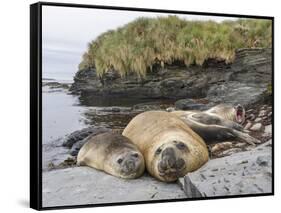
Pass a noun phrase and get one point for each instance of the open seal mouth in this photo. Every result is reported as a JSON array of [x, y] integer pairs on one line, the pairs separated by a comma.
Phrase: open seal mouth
[[172, 172], [240, 114]]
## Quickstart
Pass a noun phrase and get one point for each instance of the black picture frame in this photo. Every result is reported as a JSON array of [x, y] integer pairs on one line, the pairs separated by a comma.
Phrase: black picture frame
[[36, 101]]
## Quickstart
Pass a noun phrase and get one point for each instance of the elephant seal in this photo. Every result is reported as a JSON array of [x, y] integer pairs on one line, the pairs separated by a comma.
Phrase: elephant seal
[[170, 148], [220, 123], [113, 154], [229, 112]]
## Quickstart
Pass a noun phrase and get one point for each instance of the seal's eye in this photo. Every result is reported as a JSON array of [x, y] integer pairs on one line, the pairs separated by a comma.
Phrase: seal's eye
[[158, 151], [181, 146], [119, 160], [135, 155]]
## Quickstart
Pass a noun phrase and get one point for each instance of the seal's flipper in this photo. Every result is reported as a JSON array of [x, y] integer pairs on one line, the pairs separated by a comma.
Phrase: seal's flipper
[[228, 130], [205, 118], [210, 133], [246, 138]]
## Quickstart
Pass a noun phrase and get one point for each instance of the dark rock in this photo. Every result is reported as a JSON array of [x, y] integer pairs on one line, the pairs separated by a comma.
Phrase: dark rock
[[216, 63], [77, 146], [81, 134], [245, 81], [234, 92], [153, 105], [252, 66], [189, 104], [56, 85]]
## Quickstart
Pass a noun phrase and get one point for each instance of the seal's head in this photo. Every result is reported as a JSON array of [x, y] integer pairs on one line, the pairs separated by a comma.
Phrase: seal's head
[[127, 163], [170, 160], [239, 114], [230, 112]]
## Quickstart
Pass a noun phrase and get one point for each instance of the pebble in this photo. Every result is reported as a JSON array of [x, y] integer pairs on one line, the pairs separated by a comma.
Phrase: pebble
[[229, 152], [170, 109], [251, 117], [269, 114], [262, 113], [115, 109], [256, 127], [221, 146], [248, 125], [258, 120], [267, 131], [250, 111], [240, 145]]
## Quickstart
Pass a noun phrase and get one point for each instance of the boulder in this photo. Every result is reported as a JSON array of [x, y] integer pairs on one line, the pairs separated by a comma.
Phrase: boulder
[[256, 127], [242, 173], [189, 104], [81, 134], [234, 92]]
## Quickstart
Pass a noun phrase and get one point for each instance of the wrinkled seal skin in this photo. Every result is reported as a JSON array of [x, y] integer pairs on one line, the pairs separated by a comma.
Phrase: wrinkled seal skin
[[113, 154], [217, 124], [170, 148]]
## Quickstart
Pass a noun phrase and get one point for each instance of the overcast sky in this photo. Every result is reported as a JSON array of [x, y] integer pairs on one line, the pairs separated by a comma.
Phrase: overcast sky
[[67, 30]]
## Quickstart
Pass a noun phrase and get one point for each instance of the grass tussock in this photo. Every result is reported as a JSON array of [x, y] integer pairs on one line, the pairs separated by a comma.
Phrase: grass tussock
[[137, 46]]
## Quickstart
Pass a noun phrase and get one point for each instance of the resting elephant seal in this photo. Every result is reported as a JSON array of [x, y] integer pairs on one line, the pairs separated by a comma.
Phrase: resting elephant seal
[[113, 154], [170, 148], [218, 124], [229, 112]]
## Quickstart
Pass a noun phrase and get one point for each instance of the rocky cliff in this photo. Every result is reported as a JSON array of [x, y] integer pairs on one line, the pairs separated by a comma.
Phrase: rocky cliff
[[244, 81]]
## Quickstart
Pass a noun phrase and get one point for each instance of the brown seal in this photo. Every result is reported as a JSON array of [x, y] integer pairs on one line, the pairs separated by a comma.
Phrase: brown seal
[[113, 154], [220, 123], [170, 148]]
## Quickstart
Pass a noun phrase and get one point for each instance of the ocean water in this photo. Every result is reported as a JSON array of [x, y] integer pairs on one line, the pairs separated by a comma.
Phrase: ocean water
[[61, 114], [64, 113]]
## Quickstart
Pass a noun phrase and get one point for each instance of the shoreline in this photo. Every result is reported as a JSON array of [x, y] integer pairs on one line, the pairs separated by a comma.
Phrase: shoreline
[[65, 183]]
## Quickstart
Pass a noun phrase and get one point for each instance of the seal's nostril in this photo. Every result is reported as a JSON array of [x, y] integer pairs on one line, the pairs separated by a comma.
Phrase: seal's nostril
[[171, 161], [162, 166], [130, 165], [180, 163]]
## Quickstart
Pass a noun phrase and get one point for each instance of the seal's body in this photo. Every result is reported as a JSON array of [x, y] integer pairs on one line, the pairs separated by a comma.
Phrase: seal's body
[[170, 148], [113, 154], [217, 124]]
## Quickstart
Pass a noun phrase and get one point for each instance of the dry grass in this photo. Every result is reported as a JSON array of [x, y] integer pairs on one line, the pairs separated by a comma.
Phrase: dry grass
[[137, 46]]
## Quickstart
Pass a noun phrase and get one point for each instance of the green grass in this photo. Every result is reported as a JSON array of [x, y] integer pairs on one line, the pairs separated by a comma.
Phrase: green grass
[[137, 46]]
